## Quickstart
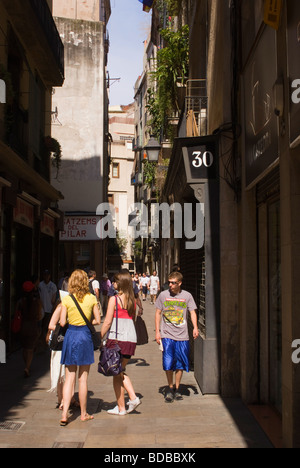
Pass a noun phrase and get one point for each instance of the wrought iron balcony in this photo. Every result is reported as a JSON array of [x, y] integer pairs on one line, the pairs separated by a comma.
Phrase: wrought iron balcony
[[196, 108]]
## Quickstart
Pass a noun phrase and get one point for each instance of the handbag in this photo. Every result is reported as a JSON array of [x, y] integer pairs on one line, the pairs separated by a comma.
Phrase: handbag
[[95, 336], [141, 331], [57, 337], [17, 322], [110, 361]]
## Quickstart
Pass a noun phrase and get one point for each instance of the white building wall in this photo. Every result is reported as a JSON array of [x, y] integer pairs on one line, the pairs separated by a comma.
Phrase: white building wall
[[79, 125]]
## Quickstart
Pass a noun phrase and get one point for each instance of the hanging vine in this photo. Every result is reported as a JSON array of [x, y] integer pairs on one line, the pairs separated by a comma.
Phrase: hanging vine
[[172, 68]]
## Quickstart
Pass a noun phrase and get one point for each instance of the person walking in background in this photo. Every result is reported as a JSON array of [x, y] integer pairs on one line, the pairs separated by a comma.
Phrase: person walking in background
[[144, 285], [154, 287], [105, 284], [30, 307], [126, 338], [95, 288], [78, 348], [94, 284], [48, 295], [136, 281], [171, 325]]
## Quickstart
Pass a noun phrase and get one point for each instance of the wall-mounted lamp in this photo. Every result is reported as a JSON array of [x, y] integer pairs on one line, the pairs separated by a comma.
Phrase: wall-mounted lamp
[[153, 149]]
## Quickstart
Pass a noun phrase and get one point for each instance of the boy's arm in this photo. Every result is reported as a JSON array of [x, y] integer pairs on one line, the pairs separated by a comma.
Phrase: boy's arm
[[157, 325], [194, 320]]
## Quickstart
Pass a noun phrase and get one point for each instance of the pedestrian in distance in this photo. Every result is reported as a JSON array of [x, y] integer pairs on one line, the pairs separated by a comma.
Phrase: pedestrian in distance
[[94, 284], [105, 284], [48, 295], [171, 325], [144, 285], [154, 287], [95, 288], [30, 307], [78, 348], [126, 338]]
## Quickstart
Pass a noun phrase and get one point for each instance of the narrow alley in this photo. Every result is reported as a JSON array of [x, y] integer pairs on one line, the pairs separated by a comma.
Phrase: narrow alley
[[29, 418]]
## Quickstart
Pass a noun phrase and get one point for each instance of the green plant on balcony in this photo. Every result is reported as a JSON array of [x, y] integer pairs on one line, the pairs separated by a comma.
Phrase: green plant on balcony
[[149, 171], [137, 249], [54, 151], [171, 69], [173, 6]]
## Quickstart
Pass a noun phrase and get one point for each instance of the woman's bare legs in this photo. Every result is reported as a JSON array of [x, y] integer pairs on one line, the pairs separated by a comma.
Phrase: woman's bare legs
[[68, 390], [83, 392], [121, 384]]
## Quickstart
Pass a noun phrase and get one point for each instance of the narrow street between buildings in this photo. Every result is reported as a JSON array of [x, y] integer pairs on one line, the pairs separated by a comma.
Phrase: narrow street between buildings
[[29, 418]]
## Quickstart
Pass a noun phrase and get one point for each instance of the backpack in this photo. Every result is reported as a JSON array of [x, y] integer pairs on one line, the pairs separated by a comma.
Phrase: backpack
[[91, 287]]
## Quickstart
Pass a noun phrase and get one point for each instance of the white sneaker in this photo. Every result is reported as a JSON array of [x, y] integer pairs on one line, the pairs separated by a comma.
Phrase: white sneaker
[[132, 404], [115, 412]]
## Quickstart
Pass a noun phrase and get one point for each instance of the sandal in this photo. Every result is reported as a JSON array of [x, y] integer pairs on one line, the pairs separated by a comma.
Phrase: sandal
[[64, 423]]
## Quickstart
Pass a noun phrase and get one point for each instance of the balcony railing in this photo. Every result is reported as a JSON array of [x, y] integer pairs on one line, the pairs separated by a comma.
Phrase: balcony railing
[[196, 108], [44, 14]]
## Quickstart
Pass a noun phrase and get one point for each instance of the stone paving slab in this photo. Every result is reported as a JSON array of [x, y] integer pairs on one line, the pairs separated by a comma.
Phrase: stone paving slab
[[196, 422]]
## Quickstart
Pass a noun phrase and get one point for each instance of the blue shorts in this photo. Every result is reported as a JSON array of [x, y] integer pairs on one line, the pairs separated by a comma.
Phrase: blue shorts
[[176, 355]]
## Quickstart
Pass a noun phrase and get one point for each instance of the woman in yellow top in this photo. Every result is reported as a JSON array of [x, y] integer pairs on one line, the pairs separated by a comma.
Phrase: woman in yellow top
[[78, 348]]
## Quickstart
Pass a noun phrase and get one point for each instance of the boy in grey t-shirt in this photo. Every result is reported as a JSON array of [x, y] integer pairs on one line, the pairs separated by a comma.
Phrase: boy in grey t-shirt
[[172, 307]]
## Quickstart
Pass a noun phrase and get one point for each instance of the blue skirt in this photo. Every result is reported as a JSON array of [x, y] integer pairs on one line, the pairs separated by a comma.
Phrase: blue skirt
[[78, 348], [176, 355]]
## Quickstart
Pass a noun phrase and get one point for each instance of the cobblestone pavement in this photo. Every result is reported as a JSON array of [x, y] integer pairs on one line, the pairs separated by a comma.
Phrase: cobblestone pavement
[[29, 418]]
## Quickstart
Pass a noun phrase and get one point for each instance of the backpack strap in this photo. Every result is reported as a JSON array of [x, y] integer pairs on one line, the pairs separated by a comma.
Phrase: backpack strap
[[116, 319]]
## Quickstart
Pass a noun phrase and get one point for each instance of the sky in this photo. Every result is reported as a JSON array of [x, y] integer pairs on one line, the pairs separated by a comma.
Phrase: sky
[[128, 28]]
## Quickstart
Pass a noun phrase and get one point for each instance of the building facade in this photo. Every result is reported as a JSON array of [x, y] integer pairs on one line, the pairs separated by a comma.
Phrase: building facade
[[120, 190], [31, 64], [81, 127], [143, 180], [236, 154]]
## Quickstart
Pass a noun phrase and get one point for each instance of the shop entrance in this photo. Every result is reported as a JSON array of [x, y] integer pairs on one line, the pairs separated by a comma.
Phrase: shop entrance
[[270, 309]]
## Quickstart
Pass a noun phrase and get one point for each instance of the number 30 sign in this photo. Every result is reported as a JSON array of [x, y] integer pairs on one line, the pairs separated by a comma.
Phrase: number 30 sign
[[201, 160]]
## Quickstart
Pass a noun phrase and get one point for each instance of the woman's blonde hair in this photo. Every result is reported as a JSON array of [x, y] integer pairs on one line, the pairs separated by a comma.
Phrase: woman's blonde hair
[[124, 286], [79, 284]]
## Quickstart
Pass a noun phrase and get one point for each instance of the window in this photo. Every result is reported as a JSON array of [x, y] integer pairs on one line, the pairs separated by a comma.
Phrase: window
[[116, 170]]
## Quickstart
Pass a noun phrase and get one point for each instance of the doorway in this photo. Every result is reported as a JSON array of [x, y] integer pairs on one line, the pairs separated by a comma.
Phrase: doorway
[[270, 309]]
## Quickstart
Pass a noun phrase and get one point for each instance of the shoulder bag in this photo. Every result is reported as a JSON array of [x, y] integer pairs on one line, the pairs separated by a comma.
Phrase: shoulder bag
[[110, 361], [141, 331], [95, 336], [57, 337]]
